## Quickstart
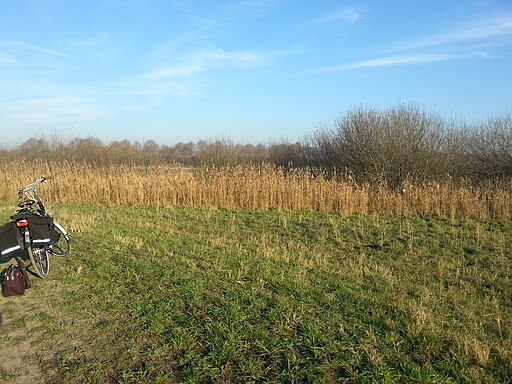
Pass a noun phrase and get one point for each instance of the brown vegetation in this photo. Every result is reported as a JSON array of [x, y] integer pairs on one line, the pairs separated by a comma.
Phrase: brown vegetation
[[405, 143], [376, 146], [359, 165], [254, 187]]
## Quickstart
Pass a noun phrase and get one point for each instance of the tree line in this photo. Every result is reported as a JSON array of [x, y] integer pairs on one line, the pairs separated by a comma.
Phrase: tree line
[[383, 146]]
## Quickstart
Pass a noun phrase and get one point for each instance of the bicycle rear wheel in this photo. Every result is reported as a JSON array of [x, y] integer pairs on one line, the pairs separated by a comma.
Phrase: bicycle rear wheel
[[39, 260]]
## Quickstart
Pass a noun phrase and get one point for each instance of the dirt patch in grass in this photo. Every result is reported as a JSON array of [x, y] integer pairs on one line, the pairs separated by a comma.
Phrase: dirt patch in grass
[[19, 360], [34, 327]]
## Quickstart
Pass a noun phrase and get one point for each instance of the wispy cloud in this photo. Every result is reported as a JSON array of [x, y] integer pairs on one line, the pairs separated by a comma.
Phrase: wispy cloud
[[473, 31], [345, 16], [102, 38], [182, 80], [22, 45], [256, 7], [393, 60], [204, 60], [181, 70], [153, 89], [56, 109], [456, 44], [7, 60]]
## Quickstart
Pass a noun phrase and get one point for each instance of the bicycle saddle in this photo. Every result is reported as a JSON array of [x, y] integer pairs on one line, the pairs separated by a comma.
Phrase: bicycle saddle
[[26, 203]]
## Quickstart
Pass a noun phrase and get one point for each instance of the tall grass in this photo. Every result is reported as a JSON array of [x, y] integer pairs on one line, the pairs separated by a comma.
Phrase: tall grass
[[254, 187]]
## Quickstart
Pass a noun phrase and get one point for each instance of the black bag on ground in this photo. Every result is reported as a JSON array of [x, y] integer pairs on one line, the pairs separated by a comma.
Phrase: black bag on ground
[[16, 280], [10, 241]]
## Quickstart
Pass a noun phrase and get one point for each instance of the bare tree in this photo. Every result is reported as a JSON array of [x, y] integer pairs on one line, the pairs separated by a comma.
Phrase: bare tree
[[386, 146], [491, 146]]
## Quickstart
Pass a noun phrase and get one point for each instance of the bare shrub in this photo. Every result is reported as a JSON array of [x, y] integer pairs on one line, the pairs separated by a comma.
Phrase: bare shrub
[[387, 146], [288, 154], [491, 147]]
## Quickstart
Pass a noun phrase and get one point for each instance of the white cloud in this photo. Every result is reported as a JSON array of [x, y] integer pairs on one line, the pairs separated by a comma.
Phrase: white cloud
[[255, 7], [182, 70], [45, 110], [179, 80], [21, 45], [423, 51], [473, 31], [392, 60], [7, 60], [206, 59], [154, 89], [345, 16], [233, 57], [102, 38]]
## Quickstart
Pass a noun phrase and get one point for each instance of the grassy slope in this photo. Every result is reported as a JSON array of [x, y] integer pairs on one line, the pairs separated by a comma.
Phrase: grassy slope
[[180, 294]]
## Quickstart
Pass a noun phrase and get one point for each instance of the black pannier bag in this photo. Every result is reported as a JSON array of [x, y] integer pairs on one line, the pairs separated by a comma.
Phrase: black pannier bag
[[54, 235], [41, 230], [10, 240]]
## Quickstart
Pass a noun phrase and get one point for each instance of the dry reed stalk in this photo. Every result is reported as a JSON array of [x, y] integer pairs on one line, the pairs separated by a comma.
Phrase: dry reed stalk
[[252, 187]]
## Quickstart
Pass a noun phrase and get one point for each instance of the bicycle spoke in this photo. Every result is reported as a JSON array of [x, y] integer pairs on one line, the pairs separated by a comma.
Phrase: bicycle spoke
[[39, 261]]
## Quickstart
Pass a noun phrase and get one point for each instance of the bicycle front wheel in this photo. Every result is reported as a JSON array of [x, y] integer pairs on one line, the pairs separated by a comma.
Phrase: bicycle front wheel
[[40, 263], [63, 245]]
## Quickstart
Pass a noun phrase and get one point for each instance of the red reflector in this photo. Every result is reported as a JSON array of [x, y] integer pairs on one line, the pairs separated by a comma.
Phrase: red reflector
[[22, 223]]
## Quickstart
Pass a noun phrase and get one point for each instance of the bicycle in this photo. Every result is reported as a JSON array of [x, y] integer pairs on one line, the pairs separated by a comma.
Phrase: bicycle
[[34, 230]]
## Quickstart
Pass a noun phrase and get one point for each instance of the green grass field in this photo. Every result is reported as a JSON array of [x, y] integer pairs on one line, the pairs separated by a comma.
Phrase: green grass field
[[162, 295]]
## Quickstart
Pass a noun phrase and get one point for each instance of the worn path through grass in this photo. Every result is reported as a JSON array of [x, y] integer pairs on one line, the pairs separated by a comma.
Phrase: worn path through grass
[[197, 295]]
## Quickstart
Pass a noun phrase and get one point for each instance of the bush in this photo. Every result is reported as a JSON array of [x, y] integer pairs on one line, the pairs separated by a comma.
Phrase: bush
[[387, 146], [490, 146]]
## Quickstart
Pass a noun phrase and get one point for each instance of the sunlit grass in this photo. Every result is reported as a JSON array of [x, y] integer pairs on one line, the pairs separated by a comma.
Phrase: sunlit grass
[[155, 294]]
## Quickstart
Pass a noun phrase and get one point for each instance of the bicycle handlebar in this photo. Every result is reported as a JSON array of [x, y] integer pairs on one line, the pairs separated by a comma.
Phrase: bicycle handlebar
[[32, 186]]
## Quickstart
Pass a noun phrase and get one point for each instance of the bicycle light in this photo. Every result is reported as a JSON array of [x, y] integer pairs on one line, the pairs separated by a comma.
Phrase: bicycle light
[[22, 223]]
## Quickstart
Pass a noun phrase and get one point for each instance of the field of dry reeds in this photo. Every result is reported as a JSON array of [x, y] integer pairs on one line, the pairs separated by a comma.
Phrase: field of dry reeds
[[253, 187]]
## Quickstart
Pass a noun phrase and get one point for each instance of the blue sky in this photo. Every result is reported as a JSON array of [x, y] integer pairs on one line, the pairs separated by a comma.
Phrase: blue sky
[[249, 70]]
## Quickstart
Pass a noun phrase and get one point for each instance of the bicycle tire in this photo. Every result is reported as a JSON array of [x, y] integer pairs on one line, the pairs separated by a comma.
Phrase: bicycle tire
[[40, 262], [61, 247]]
